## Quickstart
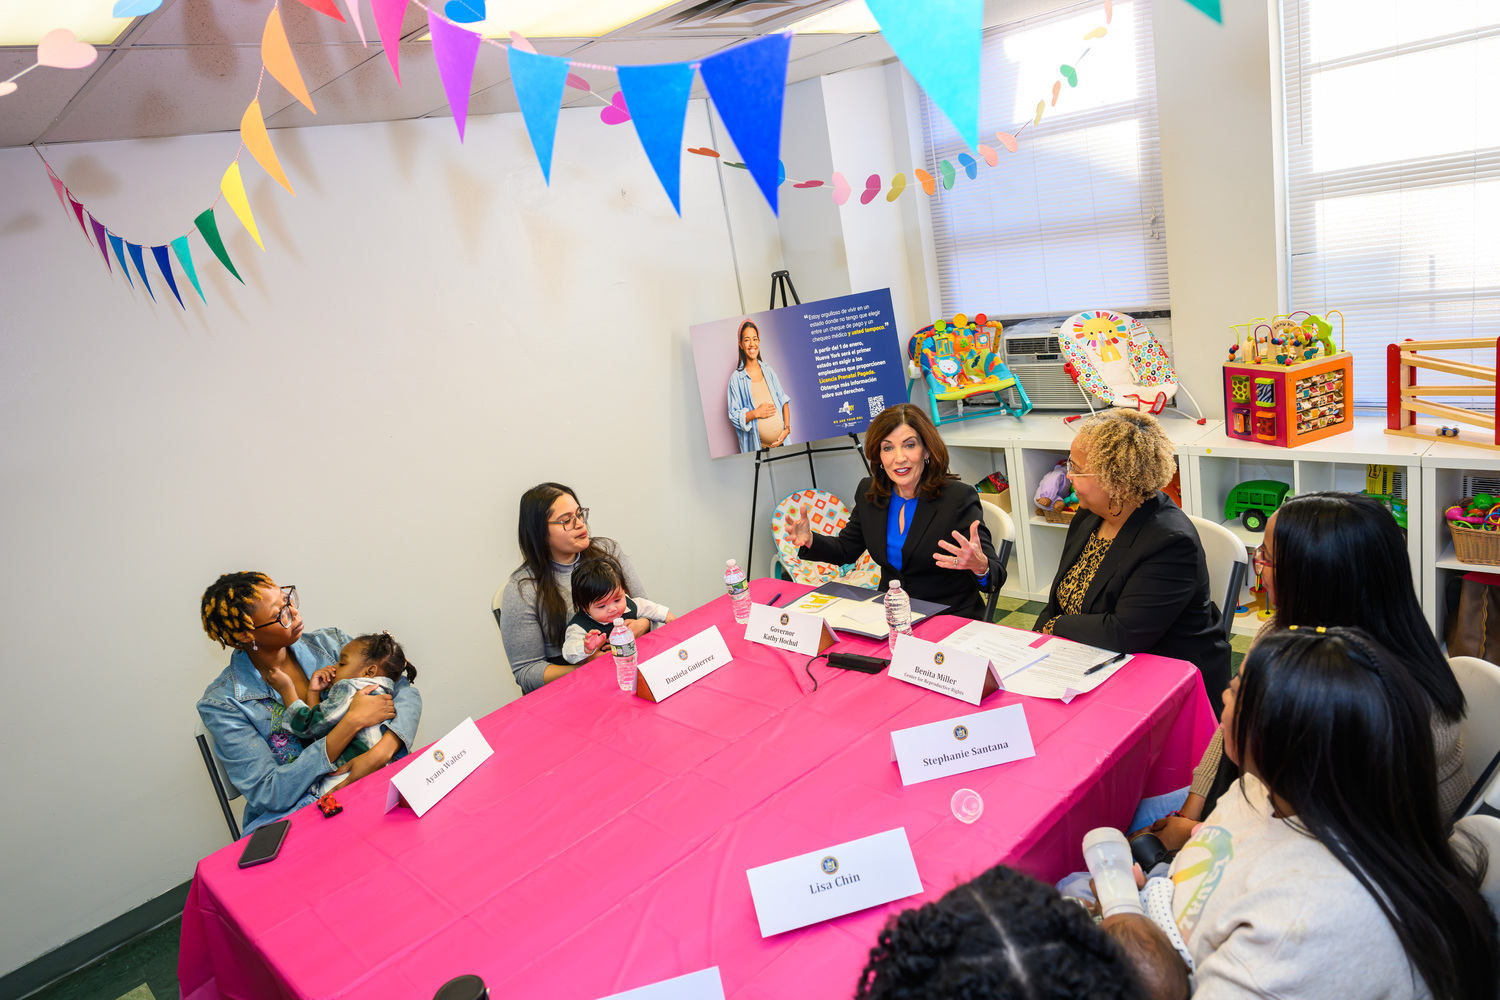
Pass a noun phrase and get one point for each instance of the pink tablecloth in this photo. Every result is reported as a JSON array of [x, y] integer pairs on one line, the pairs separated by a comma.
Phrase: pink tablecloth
[[604, 846]]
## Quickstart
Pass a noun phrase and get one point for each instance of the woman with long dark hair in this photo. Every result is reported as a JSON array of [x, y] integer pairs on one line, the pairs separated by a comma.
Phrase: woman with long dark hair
[[1339, 559], [1329, 871], [553, 533], [759, 409]]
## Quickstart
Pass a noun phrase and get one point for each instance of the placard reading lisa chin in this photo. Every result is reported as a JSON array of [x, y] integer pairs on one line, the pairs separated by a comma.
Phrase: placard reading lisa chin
[[844, 878]]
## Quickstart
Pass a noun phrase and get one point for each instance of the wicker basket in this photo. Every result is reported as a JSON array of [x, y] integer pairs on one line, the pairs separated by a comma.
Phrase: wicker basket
[[1473, 546], [1061, 516]]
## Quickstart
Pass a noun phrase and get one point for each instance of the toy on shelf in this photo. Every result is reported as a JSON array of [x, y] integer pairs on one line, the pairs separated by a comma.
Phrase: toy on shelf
[[1284, 383], [959, 360], [1115, 358], [1475, 526], [1254, 501], [1403, 396], [1055, 498]]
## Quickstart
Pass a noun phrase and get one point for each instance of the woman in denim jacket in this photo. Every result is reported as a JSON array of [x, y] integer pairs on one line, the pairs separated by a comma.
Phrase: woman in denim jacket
[[273, 769]]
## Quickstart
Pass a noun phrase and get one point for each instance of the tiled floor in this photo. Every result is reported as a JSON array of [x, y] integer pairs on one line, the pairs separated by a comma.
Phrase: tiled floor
[[144, 969]]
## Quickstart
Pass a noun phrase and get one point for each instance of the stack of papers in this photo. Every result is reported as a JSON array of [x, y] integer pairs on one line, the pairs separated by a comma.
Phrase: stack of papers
[[855, 609], [1042, 666]]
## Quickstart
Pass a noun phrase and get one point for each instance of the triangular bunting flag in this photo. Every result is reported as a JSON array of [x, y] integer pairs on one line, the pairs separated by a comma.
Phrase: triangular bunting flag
[[209, 227], [657, 97], [165, 263], [233, 187], [539, 82], [276, 54], [99, 238], [78, 211], [938, 43], [1209, 7], [454, 48], [185, 260], [388, 17], [258, 141], [140, 267], [57, 185], [352, 6], [747, 84], [119, 248], [324, 7]]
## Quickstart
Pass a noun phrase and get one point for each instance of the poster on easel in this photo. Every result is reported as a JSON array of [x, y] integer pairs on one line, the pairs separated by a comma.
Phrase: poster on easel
[[804, 372]]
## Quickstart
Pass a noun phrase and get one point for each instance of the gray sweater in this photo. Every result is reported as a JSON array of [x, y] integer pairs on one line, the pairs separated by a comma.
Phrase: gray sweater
[[527, 649]]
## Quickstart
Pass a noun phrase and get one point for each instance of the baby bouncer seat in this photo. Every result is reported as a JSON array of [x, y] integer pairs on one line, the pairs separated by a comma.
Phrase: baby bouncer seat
[[1115, 358], [826, 515]]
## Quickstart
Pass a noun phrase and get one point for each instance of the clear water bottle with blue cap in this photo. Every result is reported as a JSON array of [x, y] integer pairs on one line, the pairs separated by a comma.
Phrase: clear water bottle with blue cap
[[897, 612], [623, 641], [739, 591]]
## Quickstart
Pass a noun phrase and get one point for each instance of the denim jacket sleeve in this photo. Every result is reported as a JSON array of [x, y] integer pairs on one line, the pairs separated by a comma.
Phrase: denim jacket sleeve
[[408, 714], [268, 787]]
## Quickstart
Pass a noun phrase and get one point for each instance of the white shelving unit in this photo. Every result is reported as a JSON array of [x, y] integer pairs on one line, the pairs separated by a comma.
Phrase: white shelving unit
[[1444, 466], [1220, 463]]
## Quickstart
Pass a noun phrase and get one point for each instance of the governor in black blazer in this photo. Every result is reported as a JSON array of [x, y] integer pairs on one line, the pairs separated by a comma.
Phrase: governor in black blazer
[[946, 538], [1148, 592]]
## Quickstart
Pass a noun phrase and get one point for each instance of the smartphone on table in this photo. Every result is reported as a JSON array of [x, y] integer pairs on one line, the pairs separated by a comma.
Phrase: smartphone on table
[[265, 843]]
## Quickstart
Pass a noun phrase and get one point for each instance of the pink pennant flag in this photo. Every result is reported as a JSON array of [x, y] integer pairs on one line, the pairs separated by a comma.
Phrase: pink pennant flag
[[57, 186], [388, 17], [78, 211], [103, 242], [454, 48], [352, 6]]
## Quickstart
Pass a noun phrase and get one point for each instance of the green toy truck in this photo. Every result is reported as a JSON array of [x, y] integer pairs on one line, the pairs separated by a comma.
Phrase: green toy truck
[[1254, 501]]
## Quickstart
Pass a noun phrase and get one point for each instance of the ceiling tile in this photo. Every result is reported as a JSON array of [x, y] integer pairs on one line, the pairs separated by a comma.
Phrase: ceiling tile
[[227, 22], [39, 98], [860, 51], [806, 45], [193, 89]]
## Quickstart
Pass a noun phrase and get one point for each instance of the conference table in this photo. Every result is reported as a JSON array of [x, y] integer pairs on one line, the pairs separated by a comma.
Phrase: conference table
[[604, 845]]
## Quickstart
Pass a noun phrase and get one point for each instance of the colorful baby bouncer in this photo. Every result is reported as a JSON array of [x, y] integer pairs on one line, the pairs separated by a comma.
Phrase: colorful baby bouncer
[[961, 359], [826, 515], [1114, 358]]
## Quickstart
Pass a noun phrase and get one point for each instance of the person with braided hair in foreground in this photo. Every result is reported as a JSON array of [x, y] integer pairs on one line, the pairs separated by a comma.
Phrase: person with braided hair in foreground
[[275, 770], [1003, 936]]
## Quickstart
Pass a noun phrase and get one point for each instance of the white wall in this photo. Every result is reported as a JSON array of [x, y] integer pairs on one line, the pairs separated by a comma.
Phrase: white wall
[[429, 332]]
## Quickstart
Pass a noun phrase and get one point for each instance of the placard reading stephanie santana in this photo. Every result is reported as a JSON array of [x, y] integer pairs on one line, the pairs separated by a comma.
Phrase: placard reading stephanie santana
[[964, 743]]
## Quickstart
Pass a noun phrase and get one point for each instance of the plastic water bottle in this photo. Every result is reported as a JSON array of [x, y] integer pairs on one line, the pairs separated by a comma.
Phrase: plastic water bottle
[[897, 612], [623, 640], [739, 591], [1107, 854]]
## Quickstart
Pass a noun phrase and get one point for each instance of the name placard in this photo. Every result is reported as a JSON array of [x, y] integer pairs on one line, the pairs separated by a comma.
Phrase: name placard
[[966, 676], [702, 985], [793, 631], [667, 673], [837, 880], [433, 773], [965, 743]]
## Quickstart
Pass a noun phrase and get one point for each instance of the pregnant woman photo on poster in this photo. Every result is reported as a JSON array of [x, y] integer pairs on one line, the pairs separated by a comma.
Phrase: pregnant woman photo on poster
[[758, 408]]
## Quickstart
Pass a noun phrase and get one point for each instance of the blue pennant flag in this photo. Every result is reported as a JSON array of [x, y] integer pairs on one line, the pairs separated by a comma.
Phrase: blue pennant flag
[[938, 43], [119, 247], [1209, 7], [657, 97], [747, 84], [165, 263], [140, 267], [539, 82]]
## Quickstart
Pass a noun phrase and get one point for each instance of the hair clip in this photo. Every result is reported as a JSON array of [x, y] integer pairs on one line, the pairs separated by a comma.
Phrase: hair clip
[[1321, 629], [1291, 628]]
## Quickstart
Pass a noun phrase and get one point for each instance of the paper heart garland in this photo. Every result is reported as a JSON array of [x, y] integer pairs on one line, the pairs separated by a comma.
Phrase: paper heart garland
[[704, 151], [898, 184], [872, 188], [990, 155], [1070, 74], [1056, 89], [578, 83], [841, 189], [808, 184], [62, 49], [929, 182], [7, 87], [1007, 140], [616, 113]]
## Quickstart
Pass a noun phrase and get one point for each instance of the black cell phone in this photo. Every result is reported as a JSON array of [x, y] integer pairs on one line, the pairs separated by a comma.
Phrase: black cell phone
[[265, 843]]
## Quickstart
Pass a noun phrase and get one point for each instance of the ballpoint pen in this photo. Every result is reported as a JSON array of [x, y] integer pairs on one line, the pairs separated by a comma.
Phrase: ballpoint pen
[[1100, 666]]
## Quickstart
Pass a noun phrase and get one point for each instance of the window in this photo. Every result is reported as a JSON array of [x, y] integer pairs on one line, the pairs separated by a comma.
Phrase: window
[[1073, 219], [1393, 172]]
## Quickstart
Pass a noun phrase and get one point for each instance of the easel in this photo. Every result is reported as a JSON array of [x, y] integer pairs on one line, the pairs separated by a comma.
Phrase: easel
[[782, 281]]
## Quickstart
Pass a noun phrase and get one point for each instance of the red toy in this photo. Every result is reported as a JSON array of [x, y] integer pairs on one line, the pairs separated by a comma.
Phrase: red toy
[[330, 805]]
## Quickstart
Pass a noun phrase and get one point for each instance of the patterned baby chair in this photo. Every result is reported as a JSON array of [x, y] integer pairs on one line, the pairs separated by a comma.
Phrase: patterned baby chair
[[826, 515], [961, 359], [1115, 358]]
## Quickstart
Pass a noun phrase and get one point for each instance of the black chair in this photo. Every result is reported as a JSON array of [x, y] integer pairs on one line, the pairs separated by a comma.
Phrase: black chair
[[223, 787]]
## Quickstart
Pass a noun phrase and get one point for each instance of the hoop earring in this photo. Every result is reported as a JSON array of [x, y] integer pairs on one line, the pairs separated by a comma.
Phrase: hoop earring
[[1115, 506]]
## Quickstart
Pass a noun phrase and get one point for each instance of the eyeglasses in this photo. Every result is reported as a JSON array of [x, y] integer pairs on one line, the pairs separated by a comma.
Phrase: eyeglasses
[[285, 618], [1074, 472], [569, 521], [1261, 558]]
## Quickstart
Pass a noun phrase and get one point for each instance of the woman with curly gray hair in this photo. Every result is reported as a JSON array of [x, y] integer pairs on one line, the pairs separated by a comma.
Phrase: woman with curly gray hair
[[1132, 576]]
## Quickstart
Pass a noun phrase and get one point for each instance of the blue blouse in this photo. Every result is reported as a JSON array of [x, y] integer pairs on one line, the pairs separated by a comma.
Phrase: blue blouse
[[897, 524]]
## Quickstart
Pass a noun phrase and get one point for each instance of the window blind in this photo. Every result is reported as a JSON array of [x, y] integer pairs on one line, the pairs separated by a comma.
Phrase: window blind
[[1393, 171], [1073, 219]]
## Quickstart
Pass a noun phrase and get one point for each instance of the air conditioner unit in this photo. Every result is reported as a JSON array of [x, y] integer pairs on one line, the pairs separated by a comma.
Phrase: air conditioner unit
[[1033, 351]]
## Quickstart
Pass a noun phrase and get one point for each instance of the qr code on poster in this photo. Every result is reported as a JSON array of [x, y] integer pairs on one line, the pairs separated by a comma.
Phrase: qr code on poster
[[877, 403]]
